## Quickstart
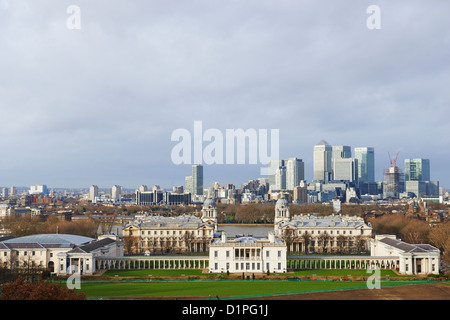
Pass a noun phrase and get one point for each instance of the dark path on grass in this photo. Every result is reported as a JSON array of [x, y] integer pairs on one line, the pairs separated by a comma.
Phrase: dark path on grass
[[433, 291]]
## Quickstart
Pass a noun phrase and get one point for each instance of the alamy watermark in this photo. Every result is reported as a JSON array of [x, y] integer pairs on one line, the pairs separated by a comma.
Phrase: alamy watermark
[[373, 282], [74, 281], [234, 146]]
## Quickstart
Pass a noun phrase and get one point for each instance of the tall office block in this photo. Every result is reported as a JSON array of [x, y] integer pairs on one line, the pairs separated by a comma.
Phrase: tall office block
[[366, 163], [322, 162], [340, 152], [280, 179], [417, 170], [345, 169], [93, 192], [274, 165], [286, 174], [295, 172], [188, 185], [197, 179], [116, 192]]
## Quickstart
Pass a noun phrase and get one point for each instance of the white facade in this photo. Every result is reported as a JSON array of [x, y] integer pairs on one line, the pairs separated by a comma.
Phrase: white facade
[[413, 258], [93, 193], [247, 254], [58, 253]]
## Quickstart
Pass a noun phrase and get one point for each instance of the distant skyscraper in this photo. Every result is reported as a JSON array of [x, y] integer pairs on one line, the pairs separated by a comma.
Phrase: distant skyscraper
[[340, 152], [93, 193], [417, 170], [116, 192], [143, 188], [286, 174], [194, 183], [345, 169], [280, 179], [274, 165], [188, 185], [322, 161], [12, 191], [366, 164], [393, 182], [295, 172], [197, 179]]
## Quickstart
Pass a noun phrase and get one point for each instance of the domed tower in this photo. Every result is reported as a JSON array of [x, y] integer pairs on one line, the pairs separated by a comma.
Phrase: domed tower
[[281, 213], [209, 212]]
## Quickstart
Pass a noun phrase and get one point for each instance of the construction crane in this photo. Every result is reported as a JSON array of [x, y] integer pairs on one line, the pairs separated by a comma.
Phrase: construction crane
[[395, 160]]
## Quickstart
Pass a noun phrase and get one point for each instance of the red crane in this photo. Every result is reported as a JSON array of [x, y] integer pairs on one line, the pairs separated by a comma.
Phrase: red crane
[[395, 160]]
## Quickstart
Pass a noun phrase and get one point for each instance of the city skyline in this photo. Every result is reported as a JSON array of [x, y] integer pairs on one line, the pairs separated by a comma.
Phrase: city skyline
[[97, 105], [351, 153]]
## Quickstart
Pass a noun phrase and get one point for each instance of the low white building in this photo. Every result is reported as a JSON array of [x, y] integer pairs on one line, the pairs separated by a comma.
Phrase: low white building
[[413, 259], [247, 254], [59, 253]]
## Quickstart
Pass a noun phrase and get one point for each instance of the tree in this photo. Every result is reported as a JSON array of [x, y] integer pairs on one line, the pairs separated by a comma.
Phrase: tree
[[288, 236], [340, 241], [41, 290], [306, 237], [324, 240], [188, 238]]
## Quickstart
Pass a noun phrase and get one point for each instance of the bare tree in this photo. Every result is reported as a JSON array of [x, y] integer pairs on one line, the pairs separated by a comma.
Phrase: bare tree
[[323, 241], [306, 237]]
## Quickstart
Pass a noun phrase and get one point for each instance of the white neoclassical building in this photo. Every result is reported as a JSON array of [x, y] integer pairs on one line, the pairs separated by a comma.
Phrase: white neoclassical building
[[247, 254], [59, 253], [309, 232], [185, 233], [412, 258]]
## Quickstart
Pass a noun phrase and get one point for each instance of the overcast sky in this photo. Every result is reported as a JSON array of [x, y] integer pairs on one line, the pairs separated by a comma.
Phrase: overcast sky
[[98, 105]]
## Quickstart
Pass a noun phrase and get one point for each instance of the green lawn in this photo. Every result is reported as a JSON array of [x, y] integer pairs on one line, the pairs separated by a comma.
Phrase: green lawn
[[221, 288]]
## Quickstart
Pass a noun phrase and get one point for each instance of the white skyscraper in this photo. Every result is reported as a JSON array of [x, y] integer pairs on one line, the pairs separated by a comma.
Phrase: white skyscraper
[[322, 161], [295, 172], [116, 192], [345, 169], [286, 174], [93, 192]]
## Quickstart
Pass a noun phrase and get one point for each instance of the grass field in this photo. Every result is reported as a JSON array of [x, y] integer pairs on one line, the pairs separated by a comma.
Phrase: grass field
[[221, 288]]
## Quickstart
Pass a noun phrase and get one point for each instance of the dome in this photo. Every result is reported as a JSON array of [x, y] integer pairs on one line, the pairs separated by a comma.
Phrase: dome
[[209, 203], [282, 202]]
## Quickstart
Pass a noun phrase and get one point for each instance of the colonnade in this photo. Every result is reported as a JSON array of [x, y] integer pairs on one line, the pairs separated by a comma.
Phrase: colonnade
[[341, 262], [131, 263]]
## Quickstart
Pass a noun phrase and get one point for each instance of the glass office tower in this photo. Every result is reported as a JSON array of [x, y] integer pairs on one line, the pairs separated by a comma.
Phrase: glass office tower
[[366, 163], [417, 169]]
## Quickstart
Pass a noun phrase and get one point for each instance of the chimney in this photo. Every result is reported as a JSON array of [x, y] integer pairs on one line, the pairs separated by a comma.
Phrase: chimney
[[224, 237], [271, 237]]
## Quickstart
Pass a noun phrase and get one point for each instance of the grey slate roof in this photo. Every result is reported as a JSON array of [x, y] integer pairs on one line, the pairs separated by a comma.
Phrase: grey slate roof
[[93, 245], [407, 247]]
